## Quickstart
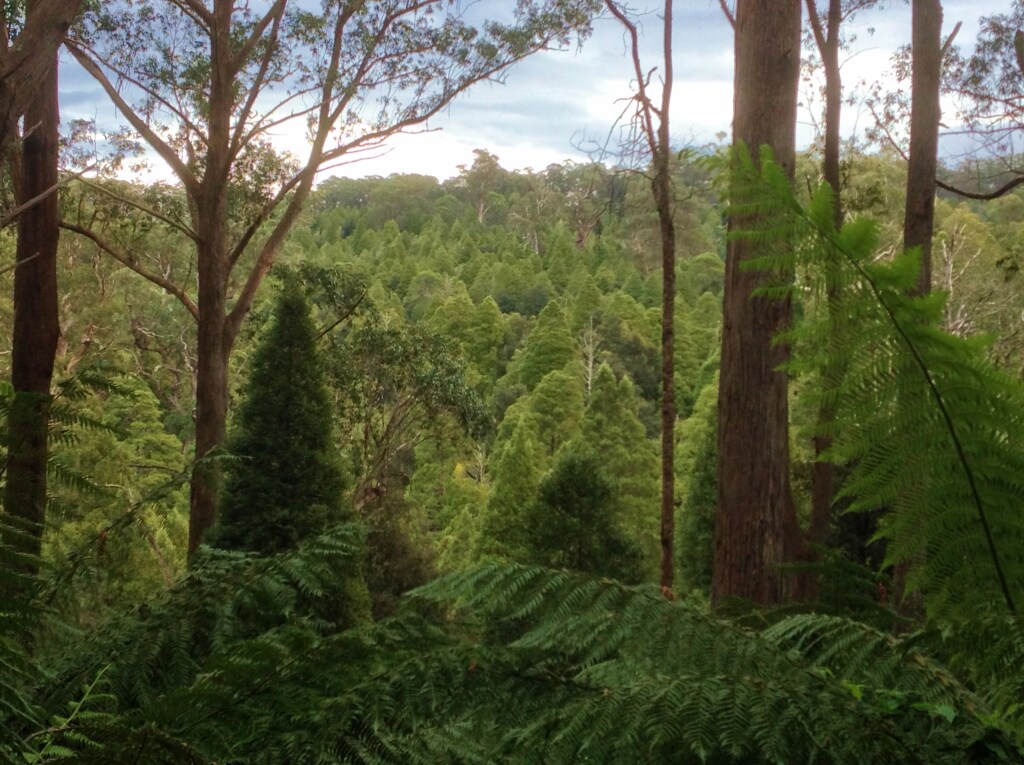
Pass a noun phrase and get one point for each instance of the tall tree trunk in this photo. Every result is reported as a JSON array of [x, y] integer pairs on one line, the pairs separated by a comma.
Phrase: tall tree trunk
[[755, 522], [663, 199], [212, 353], [36, 327], [919, 214], [661, 186], [823, 471], [214, 339], [919, 217]]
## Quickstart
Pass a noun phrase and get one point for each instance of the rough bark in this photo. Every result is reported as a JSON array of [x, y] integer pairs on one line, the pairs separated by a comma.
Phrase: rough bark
[[212, 352], [755, 523], [919, 217], [213, 344], [666, 227], [36, 328], [661, 186]]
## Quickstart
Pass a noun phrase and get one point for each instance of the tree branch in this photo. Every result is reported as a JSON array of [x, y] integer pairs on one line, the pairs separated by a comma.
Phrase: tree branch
[[273, 15], [728, 13], [1004, 189], [24, 64], [161, 147], [644, 106], [816, 28], [949, 40], [129, 262], [177, 225], [10, 216]]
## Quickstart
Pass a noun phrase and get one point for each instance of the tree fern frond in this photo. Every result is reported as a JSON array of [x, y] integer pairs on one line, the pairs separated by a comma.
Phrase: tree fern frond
[[634, 677], [930, 427]]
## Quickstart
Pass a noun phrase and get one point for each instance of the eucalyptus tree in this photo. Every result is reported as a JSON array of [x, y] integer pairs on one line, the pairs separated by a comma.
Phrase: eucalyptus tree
[[208, 85], [28, 50], [925, 114], [755, 521], [28, 92]]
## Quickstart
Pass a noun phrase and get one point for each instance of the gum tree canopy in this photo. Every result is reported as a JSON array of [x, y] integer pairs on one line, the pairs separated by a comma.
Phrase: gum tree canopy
[[206, 85]]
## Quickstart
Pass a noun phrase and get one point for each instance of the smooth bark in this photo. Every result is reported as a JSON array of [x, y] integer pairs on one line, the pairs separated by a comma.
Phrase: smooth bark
[[919, 214], [25, 65], [925, 113]]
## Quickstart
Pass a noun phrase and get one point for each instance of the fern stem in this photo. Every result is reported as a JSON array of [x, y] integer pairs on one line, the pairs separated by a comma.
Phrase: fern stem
[[950, 426]]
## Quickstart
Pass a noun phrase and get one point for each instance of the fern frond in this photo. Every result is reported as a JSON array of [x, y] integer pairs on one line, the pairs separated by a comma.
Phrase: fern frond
[[626, 676], [931, 429]]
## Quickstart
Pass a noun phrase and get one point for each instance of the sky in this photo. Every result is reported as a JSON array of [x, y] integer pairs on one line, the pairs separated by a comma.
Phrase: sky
[[556, 105]]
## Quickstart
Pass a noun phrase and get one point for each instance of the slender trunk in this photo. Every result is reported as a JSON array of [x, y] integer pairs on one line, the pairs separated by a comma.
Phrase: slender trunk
[[36, 328], [663, 198], [755, 522], [919, 218], [823, 471], [661, 186]]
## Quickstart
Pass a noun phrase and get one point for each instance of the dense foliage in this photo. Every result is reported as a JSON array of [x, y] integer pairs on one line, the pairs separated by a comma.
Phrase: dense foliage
[[488, 346]]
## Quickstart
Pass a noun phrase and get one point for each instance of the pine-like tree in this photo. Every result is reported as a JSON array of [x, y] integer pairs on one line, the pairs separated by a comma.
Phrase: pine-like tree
[[550, 346], [612, 429], [574, 522], [517, 471], [285, 484]]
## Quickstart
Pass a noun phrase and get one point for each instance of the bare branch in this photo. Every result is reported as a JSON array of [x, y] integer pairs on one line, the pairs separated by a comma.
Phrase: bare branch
[[949, 40], [729, 15], [132, 263], [196, 10], [10, 216], [643, 100], [1001, 191], [161, 147], [816, 28], [274, 16], [175, 224], [888, 135]]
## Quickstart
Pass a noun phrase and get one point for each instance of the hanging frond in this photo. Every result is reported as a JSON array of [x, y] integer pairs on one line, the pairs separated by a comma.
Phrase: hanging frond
[[931, 429]]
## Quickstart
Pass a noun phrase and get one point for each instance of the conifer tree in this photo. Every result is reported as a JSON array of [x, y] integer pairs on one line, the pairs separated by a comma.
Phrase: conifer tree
[[285, 484], [517, 471], [612, 428], [556, 406], [698, 460], [550, 346], [573, 523]]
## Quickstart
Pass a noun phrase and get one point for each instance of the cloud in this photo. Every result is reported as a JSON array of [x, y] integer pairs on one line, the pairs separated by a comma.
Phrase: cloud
[[552, 102]]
